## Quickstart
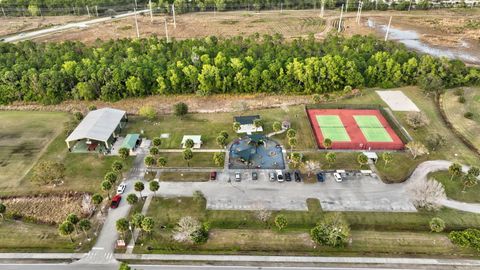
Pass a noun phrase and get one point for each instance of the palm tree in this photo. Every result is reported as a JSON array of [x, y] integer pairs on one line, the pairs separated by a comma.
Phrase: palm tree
[[292, 142], [132, 199], [162, 161], [73, 218], [327, 143], [236, 126], [331, 157], [3, 209], [85, 225], [154, 186], [106, 186], [66, 229], [454, 170], [147, 225], [139, 187], [387, 157], [187, 155], [122, 226], [97, 199]]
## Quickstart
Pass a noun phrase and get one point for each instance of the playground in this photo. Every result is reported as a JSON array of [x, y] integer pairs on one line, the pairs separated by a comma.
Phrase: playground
[[353, 129]]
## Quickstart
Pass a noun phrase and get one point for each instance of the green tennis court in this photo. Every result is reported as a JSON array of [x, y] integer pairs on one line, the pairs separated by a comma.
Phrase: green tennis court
[[332, 127], [372, 129]]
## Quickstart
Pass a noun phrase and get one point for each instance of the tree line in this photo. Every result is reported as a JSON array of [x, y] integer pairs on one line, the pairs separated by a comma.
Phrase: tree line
[[49, 73]]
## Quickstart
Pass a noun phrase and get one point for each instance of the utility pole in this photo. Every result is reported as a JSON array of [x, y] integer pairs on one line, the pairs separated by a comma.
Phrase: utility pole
[[88, 11], [96, 10], [151, 11], [136, 4], [174, 21], [388, 28], [166, 30], [136, 22], [281, 7], [322, 9], [410, 5], [359, 12], [376, 4], [346, 6], [340, 21], [3, 11]]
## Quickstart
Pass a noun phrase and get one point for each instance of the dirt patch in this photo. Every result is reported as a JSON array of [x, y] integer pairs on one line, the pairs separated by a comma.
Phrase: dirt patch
[[48, 209], [11, 25]]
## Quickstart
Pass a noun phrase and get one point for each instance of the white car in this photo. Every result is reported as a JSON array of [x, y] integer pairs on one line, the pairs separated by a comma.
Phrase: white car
[[280, 177], [121, 188], [338, 177], [238, 177]]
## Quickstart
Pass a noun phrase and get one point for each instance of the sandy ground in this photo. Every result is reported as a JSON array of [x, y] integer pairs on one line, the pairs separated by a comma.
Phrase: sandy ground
[[11, 25]]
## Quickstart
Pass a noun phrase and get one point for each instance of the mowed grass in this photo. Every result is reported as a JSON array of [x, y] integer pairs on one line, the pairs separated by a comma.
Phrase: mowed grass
[[23, 136], [240, 232], [200, 159], [454, 110], [185, 176], [19, 236], [210, 125], [455, 189]]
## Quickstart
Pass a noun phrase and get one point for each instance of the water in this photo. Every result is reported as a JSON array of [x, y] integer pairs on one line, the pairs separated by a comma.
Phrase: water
[[411, 39]]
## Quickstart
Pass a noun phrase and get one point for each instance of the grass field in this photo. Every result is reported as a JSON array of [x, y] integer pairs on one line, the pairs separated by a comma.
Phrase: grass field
[[185, 177], [210, 125], [199, 159], [235, 232], [454, 110], [23, 137], [455, 189]]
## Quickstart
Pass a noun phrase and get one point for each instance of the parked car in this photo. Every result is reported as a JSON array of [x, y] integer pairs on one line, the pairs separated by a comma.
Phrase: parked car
[[320, 177], [338, 177], [238, 177], [213, 175], [116, 201], [254, 176], [272, 176], [121, 188], [297, 177], [280, 176], [288, 177]]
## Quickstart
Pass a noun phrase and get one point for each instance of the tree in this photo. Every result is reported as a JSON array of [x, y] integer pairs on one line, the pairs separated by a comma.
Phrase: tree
[[157, 141], [296, 159], [149, 161], [162, 161], [467, 238], [276, 126], [312, 166], [147, 112], [281, 222], [186, 226], [362, 159], [431, 83], [66, 228], [187, 155], [291, 133], [416, 149], [437, 224], [475, 171], [117, 166], [387, 157], [469, 180], [154, 151], [97, 199], [332, 231], [154, 186], [122, 225], [132, 198], [417, 119], [331, 157], [316, 98], [435, 141], [106, 186], [257, 123], [33, 9], [455, 170], [85, 225], [78, 116], [189, 143], [73, 218], [236, 126], [327, 143], [48, 172], [137, 220], [180, 109], [224, 134], [139, 187], [219, 158], [221, 141], [3, 210], [292, 142], [124, 266], [92, 107], [111, 177], [427, 194], [124, 152], [147, 225]]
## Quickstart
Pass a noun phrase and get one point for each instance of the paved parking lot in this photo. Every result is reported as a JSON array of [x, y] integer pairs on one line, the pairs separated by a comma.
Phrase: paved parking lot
[[357, 193]]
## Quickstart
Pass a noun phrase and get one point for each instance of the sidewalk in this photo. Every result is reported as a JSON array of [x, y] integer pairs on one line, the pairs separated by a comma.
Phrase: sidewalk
[[41, 256]]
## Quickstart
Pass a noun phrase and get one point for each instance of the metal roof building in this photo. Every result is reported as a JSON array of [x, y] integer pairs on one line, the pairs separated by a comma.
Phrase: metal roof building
[[99, 125]]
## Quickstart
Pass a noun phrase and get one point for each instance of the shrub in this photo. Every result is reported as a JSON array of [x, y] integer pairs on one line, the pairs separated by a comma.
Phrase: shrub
[[461, 99], [332, 231], [281, 222], [459, 92], [437, 224], [466, 238], [199, 236], [468, 115], [148, 112], [180, 109], [417, 119]]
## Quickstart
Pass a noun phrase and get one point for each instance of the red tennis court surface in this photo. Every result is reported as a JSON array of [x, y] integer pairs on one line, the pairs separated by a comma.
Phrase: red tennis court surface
[[353, 129]]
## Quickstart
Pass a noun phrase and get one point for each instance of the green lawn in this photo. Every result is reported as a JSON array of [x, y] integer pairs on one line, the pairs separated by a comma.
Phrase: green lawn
[[200, 159], [23, 137], [455, 189], [185, 177], [235, 232], [17, 236], [210, 125]]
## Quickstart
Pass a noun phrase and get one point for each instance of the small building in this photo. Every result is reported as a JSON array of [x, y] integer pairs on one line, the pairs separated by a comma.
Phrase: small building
[[197, 140], [372, 156], [131, 142], [246, 124], [97, 131]]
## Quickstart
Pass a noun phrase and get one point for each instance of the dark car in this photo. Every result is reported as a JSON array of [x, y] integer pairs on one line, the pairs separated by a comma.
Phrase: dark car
[[296, 175], [288, 177], [116, 201], [213, 175], [320, 177], [254, 176]]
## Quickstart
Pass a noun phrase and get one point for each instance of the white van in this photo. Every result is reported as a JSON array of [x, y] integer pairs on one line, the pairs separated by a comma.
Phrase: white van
[[338, 177]]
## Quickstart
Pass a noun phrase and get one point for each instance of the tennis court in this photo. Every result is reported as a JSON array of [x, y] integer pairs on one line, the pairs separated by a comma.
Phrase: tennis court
[[353, 129]]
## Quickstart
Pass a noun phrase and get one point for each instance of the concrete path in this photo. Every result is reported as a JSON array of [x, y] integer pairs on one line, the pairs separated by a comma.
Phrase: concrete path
[[145, 207], [193, 150]]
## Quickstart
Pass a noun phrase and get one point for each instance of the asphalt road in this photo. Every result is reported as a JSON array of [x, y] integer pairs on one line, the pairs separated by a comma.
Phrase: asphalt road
[[66, 27]]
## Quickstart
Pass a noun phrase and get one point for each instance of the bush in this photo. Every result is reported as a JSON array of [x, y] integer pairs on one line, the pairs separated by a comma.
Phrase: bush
[[180, 109], [468, 115], [199, 236], [459, 92], [332, 231], [461, 99], [281, 222], [437, 224], [148, 112], [466, 238]]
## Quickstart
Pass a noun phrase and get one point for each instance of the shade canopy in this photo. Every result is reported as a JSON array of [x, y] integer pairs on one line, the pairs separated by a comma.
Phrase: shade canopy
[[98, 125]]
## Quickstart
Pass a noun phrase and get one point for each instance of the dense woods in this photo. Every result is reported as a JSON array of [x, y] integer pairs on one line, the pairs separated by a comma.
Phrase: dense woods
[[52, 72]]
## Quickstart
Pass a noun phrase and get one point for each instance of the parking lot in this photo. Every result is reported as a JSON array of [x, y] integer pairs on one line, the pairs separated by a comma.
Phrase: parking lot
[[354, 193]]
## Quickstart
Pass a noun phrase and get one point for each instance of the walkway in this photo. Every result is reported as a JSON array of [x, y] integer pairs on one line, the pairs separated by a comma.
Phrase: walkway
[[193, 150]]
